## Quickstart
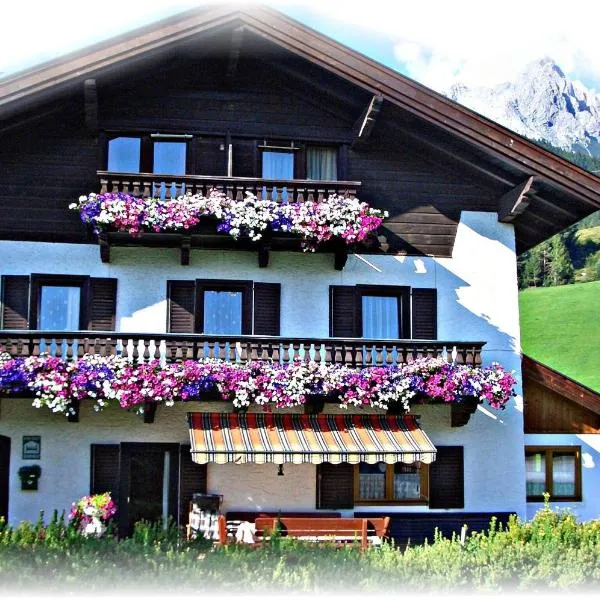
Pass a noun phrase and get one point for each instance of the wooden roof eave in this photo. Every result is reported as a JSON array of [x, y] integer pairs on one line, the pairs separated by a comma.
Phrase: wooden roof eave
[[561, 384], [325, 52]]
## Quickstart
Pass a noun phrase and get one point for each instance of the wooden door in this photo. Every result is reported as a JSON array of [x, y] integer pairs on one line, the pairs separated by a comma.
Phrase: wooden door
[[148, 484]]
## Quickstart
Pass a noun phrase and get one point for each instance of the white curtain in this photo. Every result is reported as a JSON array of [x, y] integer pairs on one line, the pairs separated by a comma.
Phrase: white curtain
[[380, 317], [59, 308], [535, 474], [563, 475], [372, 486], [407, 486], [222, 312], [321, 163]]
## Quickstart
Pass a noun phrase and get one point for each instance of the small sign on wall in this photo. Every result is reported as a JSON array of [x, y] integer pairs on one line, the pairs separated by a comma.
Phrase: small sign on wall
[[32, 447]]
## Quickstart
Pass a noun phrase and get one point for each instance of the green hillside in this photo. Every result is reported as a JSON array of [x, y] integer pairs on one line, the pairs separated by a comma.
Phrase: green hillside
[[560, 327]]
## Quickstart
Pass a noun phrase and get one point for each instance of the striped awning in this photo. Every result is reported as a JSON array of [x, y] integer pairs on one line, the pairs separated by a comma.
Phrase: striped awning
[[296, 438]]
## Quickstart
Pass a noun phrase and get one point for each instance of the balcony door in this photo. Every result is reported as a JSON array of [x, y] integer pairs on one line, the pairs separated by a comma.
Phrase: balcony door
[[4, 474], [148, 486]]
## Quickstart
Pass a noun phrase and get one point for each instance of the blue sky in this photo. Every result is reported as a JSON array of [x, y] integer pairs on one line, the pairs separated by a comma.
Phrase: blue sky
[[436, 42]]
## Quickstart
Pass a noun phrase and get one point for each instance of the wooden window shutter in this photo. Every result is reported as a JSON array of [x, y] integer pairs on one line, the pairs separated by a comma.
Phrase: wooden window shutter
[[14, 303], [342, 311], [102, 304], [335, 485], [446, 478], [181, 299], [267, 308], [424, 313], [192, 480], [105, 470]]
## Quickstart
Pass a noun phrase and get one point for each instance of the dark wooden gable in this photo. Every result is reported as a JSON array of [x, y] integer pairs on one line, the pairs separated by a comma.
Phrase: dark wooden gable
[[554, 403], [253, 72]]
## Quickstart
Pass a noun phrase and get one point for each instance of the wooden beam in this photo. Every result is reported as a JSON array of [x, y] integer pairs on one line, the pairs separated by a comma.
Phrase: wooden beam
[[514, 202], [186, 244], [90, 100], [237, 38], [149, 411], [104, 247], [365, 124]]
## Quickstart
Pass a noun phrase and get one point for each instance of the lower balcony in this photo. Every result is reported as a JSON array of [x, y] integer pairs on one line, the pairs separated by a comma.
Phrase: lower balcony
[[144, 347]]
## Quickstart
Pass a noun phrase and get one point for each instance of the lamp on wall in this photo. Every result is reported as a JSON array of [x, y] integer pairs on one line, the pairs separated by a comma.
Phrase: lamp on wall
[[280, 470]]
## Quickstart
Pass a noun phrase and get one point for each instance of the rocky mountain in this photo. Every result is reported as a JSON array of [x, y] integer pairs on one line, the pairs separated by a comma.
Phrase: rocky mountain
[[542, 104]]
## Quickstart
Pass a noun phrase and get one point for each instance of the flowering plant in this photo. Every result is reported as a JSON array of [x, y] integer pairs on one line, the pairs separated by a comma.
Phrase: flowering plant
[[90, 514], [314, 221], [108, 380]]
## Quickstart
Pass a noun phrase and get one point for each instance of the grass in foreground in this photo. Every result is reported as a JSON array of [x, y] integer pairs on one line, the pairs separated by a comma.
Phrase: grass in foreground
[[552, 552], [560, 327]]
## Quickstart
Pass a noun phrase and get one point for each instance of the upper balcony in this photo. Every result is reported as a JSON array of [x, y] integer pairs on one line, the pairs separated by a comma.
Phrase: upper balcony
[[205, 235], [144, 347]]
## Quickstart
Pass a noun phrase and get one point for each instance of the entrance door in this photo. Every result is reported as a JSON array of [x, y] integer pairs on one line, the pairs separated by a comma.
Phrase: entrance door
[[4, 475], [148, 486]]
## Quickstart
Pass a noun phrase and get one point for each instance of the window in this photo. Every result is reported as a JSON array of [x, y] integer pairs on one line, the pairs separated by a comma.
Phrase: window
[[277, 164], [169, 158], [321, 163], [384, 312], [124, 154], [58, 302], [224, 307], [222, 312], [135, 154], [59, 308], [556, 471], [398, 483]]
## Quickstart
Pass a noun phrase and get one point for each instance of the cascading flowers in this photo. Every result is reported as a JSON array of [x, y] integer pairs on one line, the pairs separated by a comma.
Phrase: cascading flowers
[[90, 514], [315, 222], [106, 380]]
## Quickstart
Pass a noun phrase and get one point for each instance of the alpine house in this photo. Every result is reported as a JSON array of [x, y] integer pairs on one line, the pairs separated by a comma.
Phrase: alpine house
[[241, 259]]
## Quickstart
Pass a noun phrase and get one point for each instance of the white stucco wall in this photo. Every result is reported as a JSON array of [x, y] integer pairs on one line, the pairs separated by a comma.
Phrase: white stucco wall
[[477, 300], [589, 507]]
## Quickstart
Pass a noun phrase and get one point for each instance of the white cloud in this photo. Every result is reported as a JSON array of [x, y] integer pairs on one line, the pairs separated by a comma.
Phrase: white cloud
[[437, 42]]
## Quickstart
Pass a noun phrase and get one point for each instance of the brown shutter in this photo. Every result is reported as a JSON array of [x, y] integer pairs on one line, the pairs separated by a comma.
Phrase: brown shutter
[[446, 478], [181, 297], [192, 479], [335, 485], [14, 303], [424, 313], [102, 304], [105, 470], [342, 311], [267, 302]]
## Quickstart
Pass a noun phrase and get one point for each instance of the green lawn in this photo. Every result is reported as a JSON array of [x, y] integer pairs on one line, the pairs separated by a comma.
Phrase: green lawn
[[560, 327]]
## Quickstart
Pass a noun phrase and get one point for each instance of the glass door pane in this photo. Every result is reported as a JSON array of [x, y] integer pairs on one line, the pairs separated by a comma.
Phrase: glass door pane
[[222, 312], [380, 317], [124, 155], [59, 307]]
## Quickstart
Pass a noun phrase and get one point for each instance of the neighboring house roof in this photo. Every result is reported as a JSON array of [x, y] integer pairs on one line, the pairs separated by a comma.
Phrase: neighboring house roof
[[561, 384], [543, 193]]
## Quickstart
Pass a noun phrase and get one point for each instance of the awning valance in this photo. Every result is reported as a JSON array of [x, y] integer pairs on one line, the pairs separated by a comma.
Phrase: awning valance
[[296, 438]]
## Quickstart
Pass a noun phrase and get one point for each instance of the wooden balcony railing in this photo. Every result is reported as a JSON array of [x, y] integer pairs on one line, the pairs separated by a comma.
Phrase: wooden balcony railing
[[143, 347], [170, 186]]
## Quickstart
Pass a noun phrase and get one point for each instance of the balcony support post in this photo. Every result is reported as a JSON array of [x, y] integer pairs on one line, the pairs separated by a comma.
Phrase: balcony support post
[[186, 244], [104, 247]]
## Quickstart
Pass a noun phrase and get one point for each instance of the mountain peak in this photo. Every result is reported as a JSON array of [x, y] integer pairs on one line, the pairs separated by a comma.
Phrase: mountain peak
[[542, 104]]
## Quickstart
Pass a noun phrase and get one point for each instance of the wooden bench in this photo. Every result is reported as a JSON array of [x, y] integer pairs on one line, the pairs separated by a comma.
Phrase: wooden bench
[[323, 530]]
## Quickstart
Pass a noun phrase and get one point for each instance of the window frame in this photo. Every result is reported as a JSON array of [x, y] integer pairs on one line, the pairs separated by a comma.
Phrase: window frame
[[402, 293], [389, 488], [39, 280], [147, 150], [224, 285], [549, 452]]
